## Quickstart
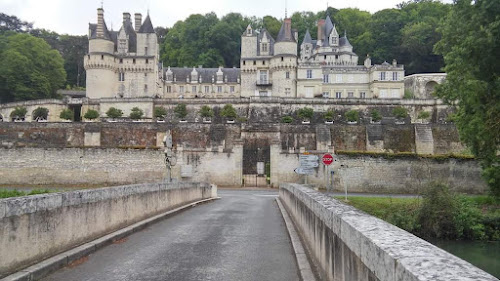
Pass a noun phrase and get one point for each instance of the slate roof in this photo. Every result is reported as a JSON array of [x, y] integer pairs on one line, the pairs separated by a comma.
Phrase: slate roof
[[343, 41], [147, 26], [271, 40], [93, 31], [132, 36], [328, 29], [307, 38], [182, 73], [283, 36]]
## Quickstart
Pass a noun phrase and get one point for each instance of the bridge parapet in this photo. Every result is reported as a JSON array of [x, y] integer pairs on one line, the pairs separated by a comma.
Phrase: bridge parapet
[[348, 244], [33, 228]]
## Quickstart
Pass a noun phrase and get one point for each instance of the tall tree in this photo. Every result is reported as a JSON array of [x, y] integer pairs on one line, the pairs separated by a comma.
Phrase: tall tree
[[30, 68], [12, 23], [471, 49], [272, 24]]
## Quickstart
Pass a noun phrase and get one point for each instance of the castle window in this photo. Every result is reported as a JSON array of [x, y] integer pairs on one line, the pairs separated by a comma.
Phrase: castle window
[[326, 95], [395, 76], [133, 60], [264, 47], [254, 63], [382, 75], [263, 62], [121, 60], [263, 77], [338, 95], [231, 89], [350, 95], [147, 61], [219, 89], [169, 89], [362, 95], [102, 57], [309, 74], [282, 58], [181, 89], [325, 57], [339, 78], [287, 75], [244, 62], [287, 92], [326, 78], [121, 76], [146, 51], [145, 88], [193, 89], [336, 57], [207, 89]]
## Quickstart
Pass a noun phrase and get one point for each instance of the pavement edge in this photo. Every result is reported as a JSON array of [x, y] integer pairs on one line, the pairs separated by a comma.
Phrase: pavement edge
[[48, 266], [305, 268]]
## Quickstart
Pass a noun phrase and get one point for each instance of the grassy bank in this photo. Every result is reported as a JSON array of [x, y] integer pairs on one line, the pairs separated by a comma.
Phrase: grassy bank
[[438, 214], [5, 193]]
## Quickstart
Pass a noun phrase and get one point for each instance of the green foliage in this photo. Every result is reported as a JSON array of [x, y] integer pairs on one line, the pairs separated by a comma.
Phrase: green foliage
[[206, 112], [376, 116], [30, 68], [408, 95], [136, 113], [19, 112], [352, 115], [470, 43], [67, 114], [287, 119], [181, 111], [424, 115], [329, 115], [114, 112], [229, 112], [159, 112], [400, 112], [305, 113], [40, 113], [272, 25], [91, 114], [5, 193]]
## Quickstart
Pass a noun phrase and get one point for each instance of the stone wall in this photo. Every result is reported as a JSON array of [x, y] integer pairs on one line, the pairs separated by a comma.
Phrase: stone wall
[[350, 245], [34, 228]]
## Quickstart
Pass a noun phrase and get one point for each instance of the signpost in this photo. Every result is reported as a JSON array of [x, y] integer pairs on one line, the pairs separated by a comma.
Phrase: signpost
[[303, 171], [307, 163], [327, 160]]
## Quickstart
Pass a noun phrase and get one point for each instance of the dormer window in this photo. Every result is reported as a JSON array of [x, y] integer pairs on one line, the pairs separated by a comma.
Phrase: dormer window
[[333, 40], [264, 47], [249, 31]]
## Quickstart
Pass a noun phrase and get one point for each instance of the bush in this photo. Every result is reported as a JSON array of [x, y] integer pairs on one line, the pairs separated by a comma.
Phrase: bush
[[305, 113], [40, 113], [400, 112], [329, 115], [114, 113], [352, 115], [181, 111], [19, 112], [376, 116], [136, 113], [424, 115], [91, 114], [229, 112], [206, 112], [451, 118], [408, 94], [67, 114], [160, 112], [287, 119]]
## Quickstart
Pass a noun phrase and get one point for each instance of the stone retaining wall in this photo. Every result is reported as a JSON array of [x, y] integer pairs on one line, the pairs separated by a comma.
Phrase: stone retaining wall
[[33, 228], [348, 244]]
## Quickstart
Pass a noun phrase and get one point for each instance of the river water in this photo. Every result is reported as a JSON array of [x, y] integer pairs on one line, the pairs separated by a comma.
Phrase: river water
[[485, 255]]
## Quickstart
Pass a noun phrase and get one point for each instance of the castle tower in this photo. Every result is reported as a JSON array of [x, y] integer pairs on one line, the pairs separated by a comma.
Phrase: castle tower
[[284, 62], [249, 62], [99, 62], [306, 48]]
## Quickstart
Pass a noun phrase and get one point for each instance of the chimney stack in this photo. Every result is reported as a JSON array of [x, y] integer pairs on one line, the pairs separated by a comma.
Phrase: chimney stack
[[138, 21], [100, 23], [321, 28], [288, 28], [126, 17]]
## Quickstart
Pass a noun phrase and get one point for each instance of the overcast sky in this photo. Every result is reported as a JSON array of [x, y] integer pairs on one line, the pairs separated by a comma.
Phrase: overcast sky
[[73, 16]]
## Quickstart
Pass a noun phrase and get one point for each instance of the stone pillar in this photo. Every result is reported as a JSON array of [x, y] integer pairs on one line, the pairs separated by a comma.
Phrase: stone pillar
[[275, 163], [238, 162]]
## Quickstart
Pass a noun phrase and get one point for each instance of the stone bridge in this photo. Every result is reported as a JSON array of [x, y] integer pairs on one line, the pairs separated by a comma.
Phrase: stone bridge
[[138, 232]]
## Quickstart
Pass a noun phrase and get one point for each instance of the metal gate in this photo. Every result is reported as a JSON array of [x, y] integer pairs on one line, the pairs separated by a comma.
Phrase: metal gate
[[256, 163]]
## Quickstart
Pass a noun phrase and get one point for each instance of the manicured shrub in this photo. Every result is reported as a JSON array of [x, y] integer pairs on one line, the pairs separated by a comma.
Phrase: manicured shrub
[[67, 114], [424, 115], [181, 111], [329, 115], [229, 112], [376, 116], [19, 112], [91, 114], [40, 113], [206, 112], [114, 113], [287, 119], [136, 113], [305, 113], [159, 112], [352, 115], [400, 112]]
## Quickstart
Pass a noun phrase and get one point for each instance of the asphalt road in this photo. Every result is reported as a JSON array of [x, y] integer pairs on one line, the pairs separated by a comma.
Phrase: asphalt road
[[239, 237]]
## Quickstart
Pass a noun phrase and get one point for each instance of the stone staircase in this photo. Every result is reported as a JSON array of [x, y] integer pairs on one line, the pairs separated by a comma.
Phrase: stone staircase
[[424, 141]]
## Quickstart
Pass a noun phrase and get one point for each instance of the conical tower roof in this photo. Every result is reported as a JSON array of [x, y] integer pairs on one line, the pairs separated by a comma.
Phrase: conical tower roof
[[147, 26], [307, 38]]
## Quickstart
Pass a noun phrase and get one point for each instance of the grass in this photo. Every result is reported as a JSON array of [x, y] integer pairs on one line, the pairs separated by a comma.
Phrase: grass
[[4, 193]]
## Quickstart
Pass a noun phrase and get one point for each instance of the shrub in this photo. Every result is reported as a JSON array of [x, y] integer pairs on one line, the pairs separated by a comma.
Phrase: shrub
[[305, 113], [424, 115], [19, 112], [228, 111], [408, 94], [136, 113], [242, 119], [91, 114], [287, 119], [114, 113], [352, 115], [399, 112], [181, 111], [451, 117], [67, 114], [376, 116], [329, 115], [159, 112], [40, 113], [206, 112]]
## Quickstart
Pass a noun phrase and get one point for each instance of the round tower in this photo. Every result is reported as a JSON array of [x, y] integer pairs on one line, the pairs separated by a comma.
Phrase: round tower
[[284, 62]]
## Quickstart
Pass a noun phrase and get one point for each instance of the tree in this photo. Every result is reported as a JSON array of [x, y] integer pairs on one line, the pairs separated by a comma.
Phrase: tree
[[229, 112], [272, 24], [376, 116], [19, 112], [206, 112], [40, 113], [305, 113], [12, 23], [136, 113], [114, 113], [181, 111], [400, 112], [329, 115], [67, 114], [352, 115], [30, 68], [470, 43], [160, 112], [91, 114]]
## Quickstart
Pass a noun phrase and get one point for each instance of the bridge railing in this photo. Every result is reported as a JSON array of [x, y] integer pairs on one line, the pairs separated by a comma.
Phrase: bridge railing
[[348, 244]]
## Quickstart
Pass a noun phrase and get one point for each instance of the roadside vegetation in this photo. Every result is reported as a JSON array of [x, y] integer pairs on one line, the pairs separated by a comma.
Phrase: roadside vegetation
[[438, 213], [6, 193]]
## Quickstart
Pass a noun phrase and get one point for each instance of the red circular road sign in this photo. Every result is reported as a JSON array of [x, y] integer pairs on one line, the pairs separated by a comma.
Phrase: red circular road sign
[[327, 159]]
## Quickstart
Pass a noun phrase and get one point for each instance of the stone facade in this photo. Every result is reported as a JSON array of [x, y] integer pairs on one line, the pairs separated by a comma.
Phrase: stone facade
[[422, 85]]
